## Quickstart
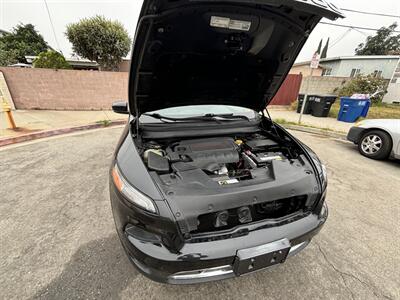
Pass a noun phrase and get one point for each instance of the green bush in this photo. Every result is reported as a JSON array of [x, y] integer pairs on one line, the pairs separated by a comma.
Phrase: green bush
[[364, 85], [51, 60]]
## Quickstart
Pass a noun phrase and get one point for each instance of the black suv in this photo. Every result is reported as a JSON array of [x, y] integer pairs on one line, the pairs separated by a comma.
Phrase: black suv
[[203, 184]]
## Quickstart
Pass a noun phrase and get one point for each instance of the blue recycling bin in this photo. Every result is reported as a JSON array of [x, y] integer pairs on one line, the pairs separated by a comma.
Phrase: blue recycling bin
[[352, 109]]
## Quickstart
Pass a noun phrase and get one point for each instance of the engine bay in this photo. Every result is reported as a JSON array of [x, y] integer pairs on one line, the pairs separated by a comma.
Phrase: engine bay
[[218, 183], [226, 160]]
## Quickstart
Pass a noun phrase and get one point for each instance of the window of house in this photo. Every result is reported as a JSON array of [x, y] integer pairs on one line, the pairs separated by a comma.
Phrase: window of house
[[327, 72], [377, 73], [355, 72]]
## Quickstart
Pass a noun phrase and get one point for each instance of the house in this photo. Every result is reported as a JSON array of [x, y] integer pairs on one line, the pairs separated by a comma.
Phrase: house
[[3, 32], [75, 62], [351, 66], [78, 63], [304, 69]]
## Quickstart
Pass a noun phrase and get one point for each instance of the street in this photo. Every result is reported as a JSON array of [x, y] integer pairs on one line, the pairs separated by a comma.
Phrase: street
[[57, 236]]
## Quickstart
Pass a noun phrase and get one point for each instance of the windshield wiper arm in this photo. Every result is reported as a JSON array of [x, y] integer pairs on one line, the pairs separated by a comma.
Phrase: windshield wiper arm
[[227, 116], [206, 117]]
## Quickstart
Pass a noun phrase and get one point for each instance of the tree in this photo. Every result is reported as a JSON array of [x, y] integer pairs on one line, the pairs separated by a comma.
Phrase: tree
[[51, 60], [319, 47], [100, 40], [325, 50], [364, 85], [382, 43], [22, 41], [8, 57]]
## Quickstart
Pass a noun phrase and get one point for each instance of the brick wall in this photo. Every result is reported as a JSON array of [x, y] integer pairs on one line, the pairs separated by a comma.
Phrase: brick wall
[[65, 89], [322, 85]]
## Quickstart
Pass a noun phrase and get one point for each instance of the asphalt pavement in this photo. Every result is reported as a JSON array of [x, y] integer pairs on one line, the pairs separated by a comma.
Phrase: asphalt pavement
[[57, 236]]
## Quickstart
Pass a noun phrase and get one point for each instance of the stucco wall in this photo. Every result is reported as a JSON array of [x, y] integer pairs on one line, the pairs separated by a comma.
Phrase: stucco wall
[[65, 89], [393, 94], [305, 70], [343, 68]]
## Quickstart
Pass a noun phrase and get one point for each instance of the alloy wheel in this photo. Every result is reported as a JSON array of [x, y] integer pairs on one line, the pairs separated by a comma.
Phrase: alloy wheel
[[371, 144]]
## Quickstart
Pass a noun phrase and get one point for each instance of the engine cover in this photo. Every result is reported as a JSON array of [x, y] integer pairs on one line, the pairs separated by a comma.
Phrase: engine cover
[[208, 154]]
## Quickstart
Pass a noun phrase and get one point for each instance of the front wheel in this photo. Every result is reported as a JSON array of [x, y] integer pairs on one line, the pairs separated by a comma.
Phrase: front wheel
[[375, 144]]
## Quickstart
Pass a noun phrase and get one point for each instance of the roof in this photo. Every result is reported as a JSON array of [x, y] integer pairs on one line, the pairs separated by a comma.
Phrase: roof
[[73, 61], [21, 65], [361, 57], [2, 31], [306, 63], [355, 57]]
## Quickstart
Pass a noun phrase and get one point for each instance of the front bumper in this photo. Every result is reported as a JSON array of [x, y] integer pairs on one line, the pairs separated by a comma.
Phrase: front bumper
[[209, 261], [354, 134]]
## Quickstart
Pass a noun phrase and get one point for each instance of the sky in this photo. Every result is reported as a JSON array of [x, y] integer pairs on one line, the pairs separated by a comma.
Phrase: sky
[[343, 42]]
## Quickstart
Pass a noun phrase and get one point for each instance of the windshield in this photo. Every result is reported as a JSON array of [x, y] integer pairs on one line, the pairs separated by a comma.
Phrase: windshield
[[198, 111]]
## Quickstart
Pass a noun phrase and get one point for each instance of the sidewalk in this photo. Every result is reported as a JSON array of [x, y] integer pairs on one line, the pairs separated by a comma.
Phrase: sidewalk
[[35, 122], [29, 121], [322, 123]]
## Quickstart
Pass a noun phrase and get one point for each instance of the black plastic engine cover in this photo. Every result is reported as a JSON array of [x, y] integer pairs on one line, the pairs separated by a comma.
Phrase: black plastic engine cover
[[208, 154]]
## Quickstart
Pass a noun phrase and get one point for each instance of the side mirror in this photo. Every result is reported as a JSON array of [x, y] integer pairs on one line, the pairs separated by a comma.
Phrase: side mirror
[[120, 107]]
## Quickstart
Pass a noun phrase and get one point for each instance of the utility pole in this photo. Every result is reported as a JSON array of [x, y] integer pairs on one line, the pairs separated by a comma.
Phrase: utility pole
[[313, 65]]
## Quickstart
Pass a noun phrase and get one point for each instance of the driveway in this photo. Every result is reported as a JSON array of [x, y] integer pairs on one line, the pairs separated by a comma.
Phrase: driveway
[[57, 237]]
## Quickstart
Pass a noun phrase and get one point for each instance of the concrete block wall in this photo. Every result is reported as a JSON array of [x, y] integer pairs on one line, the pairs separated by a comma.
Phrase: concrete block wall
[[65, 89], [322, 85]]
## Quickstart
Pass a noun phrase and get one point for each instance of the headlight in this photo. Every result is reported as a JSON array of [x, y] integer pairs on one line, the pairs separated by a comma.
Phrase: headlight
[[323, 175], [130, 192]]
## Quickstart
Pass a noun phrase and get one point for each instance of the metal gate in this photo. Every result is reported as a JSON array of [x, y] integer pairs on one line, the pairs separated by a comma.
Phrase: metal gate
[[289, 90]]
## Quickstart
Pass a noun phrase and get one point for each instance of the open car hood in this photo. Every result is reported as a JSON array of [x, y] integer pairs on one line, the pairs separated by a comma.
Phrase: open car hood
[[232, 52]]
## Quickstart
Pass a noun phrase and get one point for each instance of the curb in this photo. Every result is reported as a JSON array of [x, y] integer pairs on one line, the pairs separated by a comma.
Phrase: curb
[[322, 132], [48, 133]]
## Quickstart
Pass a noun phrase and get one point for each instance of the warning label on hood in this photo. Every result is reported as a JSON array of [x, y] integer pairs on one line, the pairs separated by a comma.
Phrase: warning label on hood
[[223, 22]]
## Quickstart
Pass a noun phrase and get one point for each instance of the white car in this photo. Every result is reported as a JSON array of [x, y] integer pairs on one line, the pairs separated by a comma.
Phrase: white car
[[377, 139]]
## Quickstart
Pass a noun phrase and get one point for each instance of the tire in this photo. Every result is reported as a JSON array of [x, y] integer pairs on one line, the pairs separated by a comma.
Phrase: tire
[[375, 144]]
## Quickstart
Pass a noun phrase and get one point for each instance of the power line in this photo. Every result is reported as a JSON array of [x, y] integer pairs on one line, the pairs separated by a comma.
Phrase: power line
[[52, 26], [359, 31], [354, 27], [340, 38], [369, 13]]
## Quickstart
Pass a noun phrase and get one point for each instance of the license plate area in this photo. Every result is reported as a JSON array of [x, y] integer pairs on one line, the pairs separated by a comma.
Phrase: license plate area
[[260, 257]]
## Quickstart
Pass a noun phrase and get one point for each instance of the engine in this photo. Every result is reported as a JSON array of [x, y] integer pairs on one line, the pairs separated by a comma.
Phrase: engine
[[226, 160], [197, 172]]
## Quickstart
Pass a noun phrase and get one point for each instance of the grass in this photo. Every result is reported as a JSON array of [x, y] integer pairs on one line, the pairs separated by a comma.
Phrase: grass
[[105, 123], [380, 111], [377, 111], [284, 122]]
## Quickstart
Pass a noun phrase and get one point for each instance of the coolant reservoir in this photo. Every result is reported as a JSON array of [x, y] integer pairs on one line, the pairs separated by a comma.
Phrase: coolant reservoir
[[155, 151]]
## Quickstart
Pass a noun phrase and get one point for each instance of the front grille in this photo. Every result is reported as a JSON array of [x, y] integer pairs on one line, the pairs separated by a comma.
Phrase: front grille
[[262, 211]]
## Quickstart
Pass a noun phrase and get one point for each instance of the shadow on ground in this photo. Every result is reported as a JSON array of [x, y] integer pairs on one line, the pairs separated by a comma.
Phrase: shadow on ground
[[98, 270]]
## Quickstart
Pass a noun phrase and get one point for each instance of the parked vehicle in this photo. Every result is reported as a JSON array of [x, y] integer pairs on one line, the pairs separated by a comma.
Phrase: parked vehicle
[[202, 185], [377, 139]]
